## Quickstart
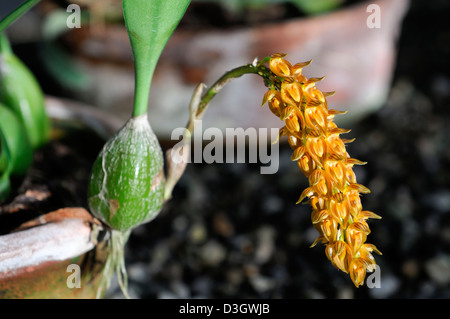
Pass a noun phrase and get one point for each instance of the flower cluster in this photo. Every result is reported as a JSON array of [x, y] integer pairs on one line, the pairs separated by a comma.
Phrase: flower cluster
[[320, 153]]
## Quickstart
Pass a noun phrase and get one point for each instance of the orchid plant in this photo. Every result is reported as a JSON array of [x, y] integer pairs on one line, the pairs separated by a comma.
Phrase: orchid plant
[[128, 186]]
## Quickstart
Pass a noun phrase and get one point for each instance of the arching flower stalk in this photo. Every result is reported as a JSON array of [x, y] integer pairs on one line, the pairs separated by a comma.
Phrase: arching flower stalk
[[321, 155]]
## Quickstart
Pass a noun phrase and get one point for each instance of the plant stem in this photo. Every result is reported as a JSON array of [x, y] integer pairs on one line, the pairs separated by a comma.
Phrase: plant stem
[[10, 18], [220, 83], [198, 106], [143, 77], [5, 47], [253, 68]]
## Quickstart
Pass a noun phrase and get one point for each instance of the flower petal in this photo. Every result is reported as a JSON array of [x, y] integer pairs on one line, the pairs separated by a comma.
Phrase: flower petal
[[367, 214], [360, 188], [315, 177], [280, 66], [355, 161], [319, 216], [306, 193], [320, 238]]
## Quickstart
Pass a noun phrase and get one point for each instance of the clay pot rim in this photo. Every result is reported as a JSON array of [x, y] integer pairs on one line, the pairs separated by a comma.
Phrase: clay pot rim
[[67, 232]]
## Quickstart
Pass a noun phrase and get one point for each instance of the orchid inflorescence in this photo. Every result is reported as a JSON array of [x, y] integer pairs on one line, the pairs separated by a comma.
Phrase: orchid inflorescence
[[321, 155]]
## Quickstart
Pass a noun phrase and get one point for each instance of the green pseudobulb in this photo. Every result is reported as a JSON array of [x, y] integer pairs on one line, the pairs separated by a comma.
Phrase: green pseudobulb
[[126, 186]]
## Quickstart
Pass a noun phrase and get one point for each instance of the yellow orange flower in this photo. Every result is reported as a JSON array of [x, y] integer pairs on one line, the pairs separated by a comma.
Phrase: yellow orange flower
[[321, 155]]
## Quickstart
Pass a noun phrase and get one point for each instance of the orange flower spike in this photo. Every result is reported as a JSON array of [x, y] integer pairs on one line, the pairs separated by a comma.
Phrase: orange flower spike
[[321, 155]]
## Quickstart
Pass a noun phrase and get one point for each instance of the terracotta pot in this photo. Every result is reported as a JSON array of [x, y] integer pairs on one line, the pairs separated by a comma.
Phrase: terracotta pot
[[358, 62], [59, 254]]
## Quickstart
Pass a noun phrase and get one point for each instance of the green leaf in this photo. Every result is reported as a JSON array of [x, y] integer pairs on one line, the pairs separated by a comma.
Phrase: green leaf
[[150, 23], [16, 13], [317, 6], [16, 152], [5, 168], [5, 186], [20, 91], [56, 60], [16, 140], [60, 65]]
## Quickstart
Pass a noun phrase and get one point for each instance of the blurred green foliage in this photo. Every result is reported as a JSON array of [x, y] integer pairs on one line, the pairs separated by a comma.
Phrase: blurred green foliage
[[309, 7]]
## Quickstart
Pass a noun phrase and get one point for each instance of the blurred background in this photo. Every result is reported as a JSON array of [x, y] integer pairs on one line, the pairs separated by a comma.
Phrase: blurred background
[[228, 230]]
